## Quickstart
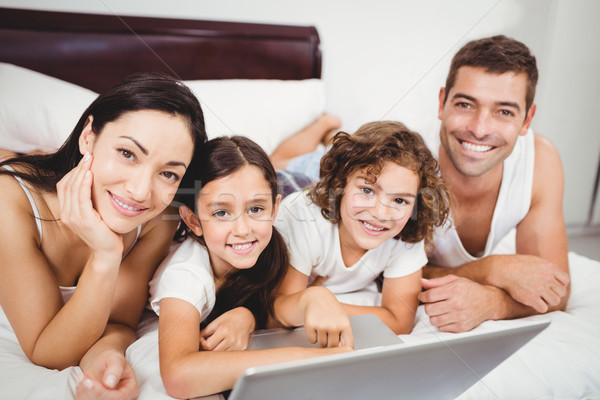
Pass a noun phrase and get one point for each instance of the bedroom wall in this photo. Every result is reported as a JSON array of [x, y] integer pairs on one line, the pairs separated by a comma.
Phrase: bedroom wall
[[386, 59]]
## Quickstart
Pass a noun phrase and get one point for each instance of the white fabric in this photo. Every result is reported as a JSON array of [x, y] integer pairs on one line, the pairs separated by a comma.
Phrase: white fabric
[[512, 206], [265, 110], [144, 358], [38, 112], [21, 379], [562, 362], [185, 274], [314, 246]]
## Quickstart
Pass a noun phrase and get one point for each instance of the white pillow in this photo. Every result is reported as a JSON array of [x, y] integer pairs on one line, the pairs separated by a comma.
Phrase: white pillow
[[37, 112], [265, 110]]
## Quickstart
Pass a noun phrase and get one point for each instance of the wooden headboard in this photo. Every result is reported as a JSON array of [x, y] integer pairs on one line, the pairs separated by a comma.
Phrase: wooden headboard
[[96, 51]]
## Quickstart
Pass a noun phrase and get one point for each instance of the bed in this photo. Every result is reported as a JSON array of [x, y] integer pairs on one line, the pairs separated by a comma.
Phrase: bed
[[258, 80]]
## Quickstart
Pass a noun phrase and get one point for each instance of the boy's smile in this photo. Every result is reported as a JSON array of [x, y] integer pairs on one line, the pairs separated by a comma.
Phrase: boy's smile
[[373, 212]]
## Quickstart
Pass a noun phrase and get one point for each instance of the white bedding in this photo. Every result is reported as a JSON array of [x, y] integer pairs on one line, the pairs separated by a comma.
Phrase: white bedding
[[563, 362], [265, 110]]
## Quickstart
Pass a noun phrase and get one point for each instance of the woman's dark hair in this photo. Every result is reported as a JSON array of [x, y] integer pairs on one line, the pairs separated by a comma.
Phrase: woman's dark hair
[[253, 288], [373, 145], [135, 93]]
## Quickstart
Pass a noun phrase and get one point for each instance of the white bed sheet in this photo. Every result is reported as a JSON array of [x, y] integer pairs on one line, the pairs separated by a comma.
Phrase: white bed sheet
[[20, 379], [563, 362]]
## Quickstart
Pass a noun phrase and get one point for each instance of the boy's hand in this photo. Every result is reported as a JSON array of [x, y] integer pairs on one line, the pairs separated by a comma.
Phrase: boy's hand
[[325, 320]]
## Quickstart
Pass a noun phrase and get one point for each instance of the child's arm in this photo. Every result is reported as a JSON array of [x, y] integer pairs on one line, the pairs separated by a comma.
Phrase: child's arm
[[323, 317], [399, 303], [187, 372]]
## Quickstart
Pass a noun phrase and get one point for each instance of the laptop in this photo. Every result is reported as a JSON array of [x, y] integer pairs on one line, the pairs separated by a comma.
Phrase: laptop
[[368, 331], [434, 369]]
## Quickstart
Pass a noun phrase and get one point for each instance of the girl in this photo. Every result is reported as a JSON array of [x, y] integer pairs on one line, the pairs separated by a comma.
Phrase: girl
[[223, 282], [84, 228], [377, 201]]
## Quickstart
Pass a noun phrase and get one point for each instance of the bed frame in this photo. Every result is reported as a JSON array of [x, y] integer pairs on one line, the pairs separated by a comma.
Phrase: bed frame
[[96, 51]]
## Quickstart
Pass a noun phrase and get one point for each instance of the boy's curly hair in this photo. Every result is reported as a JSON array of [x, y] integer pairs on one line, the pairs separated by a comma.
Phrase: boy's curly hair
[[373, 145]]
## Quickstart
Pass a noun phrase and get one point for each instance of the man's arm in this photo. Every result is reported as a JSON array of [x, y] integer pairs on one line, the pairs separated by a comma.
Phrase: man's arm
[[542, 232], [537, 277]]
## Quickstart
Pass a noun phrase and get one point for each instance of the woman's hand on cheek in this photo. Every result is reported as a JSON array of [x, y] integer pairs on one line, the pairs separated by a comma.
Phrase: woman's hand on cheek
[[110, 377], [230, 331], [74, 192]]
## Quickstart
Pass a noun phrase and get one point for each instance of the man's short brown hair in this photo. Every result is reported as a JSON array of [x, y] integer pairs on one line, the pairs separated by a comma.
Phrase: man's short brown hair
[[497, 54]]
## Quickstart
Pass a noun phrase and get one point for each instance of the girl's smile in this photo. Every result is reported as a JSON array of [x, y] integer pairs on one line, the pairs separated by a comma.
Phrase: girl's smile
[[243, 248], [236, 219]]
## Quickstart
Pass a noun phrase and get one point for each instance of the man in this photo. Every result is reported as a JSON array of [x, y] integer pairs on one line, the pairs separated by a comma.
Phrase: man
[[486, 156]]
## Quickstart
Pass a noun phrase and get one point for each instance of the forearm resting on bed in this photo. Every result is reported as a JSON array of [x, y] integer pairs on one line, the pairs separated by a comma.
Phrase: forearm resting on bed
[[478, 270], [400, 324], [532, 284], [291, 309], [116, 337], [202, 373]]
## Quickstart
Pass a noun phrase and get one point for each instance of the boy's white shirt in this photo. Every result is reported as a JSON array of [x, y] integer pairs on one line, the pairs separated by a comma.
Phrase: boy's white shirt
[[314, 246]]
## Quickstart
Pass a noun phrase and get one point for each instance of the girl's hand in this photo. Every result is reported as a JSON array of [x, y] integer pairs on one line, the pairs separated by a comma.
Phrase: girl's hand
[[325, 320], [230, 331], [74, 192], [110, 376]]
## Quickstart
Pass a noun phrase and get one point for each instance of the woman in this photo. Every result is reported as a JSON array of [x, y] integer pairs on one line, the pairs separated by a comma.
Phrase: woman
[[84, 228]]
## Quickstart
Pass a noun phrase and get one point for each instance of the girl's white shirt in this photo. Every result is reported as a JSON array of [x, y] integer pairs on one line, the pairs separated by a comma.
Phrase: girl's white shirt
[[185, 274]]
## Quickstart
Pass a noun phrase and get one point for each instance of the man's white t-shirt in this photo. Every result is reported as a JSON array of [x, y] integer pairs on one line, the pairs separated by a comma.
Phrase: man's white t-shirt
[[185, 274], [314, 245]]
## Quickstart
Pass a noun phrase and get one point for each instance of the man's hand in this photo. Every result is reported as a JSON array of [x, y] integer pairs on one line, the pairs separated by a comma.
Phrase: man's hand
[[532, 281], [456, 304]]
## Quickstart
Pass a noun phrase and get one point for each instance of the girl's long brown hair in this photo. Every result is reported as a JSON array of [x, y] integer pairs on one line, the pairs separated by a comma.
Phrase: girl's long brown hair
[[253, 288]]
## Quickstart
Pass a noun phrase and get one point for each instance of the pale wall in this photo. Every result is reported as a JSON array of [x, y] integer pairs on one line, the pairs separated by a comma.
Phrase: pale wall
[[386, 59]]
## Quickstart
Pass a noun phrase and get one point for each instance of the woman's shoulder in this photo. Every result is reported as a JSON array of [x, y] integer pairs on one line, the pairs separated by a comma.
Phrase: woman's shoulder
[[17, 213]]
